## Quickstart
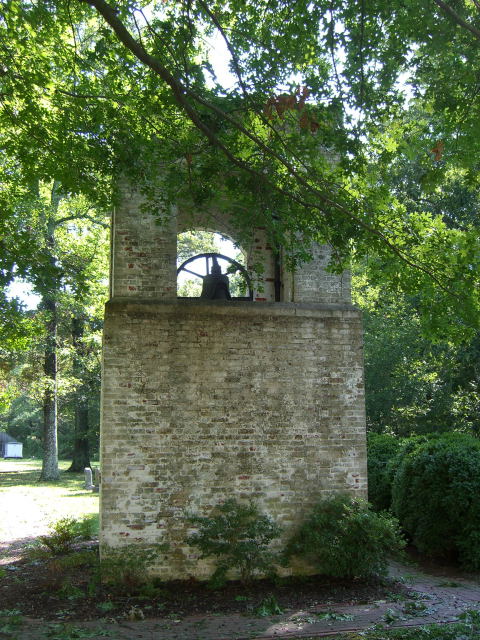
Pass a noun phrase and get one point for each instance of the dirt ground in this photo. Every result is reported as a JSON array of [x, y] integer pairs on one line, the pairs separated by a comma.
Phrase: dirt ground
[[434, 600], [65, 588]]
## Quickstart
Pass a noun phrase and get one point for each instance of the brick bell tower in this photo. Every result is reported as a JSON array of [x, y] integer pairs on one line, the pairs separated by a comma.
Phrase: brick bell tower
[[204, 400]]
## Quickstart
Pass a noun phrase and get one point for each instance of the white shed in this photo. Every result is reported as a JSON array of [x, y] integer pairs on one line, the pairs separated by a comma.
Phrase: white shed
[[9, 447]]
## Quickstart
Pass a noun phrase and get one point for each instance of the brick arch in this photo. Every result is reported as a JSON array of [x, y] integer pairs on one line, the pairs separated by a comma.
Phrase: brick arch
[[213, 220], [144, 255], [254, 246], [208, 229]]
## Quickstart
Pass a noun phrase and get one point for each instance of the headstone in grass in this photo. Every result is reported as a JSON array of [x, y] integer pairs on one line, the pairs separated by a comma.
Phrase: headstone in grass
[[88, 478]]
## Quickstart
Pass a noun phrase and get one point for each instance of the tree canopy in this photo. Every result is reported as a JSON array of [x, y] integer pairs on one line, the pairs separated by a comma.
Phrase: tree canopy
[[332, 104]]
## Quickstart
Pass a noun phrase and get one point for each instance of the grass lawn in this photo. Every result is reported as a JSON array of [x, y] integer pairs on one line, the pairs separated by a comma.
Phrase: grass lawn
[[29, 506]]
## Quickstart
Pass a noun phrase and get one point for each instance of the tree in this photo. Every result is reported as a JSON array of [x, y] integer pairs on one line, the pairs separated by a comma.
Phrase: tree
[[85, 307], [97, 85], [65, 263], [74, 252], [412, 385], [415, 382]]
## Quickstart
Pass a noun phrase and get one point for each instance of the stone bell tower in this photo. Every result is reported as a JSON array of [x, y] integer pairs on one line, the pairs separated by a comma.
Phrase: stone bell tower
[[206, 400]]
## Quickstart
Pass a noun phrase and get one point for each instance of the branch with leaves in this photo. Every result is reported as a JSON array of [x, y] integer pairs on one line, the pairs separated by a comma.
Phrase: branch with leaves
[[182, 95], [305, 142]]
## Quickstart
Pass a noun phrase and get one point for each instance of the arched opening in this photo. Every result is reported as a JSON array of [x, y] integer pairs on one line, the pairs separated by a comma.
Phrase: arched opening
[[198, 251]]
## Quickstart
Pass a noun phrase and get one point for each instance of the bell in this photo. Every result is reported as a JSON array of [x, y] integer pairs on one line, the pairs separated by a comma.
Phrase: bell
[[216, 284]]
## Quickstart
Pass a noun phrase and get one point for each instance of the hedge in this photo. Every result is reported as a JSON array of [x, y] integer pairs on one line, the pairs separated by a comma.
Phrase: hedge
[[436, 496]]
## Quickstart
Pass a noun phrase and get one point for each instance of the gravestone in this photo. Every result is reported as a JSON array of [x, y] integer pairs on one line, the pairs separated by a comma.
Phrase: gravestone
[[88, 478], [205, 400]]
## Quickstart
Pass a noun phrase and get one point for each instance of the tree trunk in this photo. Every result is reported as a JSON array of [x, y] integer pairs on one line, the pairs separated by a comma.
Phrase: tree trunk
[[49, 302], [81, 450], [50, 445]]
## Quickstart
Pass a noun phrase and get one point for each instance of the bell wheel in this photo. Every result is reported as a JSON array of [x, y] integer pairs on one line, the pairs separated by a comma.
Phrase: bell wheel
[[201, 265]]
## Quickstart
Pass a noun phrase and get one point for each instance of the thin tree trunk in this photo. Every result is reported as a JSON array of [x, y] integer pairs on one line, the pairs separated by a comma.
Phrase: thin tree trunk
[[50, 445], [81, 449]]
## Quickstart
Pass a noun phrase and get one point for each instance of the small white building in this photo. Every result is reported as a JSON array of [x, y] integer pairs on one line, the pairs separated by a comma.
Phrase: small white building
[[9, 447]]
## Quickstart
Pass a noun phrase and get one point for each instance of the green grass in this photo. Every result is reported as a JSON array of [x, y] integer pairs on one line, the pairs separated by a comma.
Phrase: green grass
[[29, 506], [456, 631]]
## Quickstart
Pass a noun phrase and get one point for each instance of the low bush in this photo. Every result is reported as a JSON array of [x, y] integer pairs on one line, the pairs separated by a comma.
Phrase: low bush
[[381, 448], [344, 538], [406, 446], [126, 568], [436, 496], [76, 559], [87, 527], [62, 535], [66, 531], [238, 537]]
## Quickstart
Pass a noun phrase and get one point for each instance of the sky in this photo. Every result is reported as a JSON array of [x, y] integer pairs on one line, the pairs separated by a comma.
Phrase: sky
[[23, 291]]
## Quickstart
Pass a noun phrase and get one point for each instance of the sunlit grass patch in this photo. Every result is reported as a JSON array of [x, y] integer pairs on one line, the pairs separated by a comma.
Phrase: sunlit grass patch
[[29, 506]]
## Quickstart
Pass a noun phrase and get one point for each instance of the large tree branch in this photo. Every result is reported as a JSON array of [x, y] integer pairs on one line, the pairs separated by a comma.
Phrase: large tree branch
[[458, 18], [181, 95]]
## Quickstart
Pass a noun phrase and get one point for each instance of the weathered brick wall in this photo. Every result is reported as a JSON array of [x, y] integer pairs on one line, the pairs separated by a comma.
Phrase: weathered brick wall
[[144, 257], [143, 261], [312, 283], [207, 400]]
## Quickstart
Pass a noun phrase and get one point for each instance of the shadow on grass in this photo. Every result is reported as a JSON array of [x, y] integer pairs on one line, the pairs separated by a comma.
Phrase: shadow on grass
[[13, 550], [84, 494], [32, 479], [26, 472]]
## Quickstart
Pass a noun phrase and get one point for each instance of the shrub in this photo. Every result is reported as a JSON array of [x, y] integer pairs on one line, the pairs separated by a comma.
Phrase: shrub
[[64, 533], [238, 536], [381, 449], [62, 536], [385, 455], [344, 538], [126, 568], [406, 446], [436, 498]]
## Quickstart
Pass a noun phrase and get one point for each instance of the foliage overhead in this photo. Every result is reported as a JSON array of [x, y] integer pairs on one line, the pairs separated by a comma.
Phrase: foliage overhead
[[328, 97]]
